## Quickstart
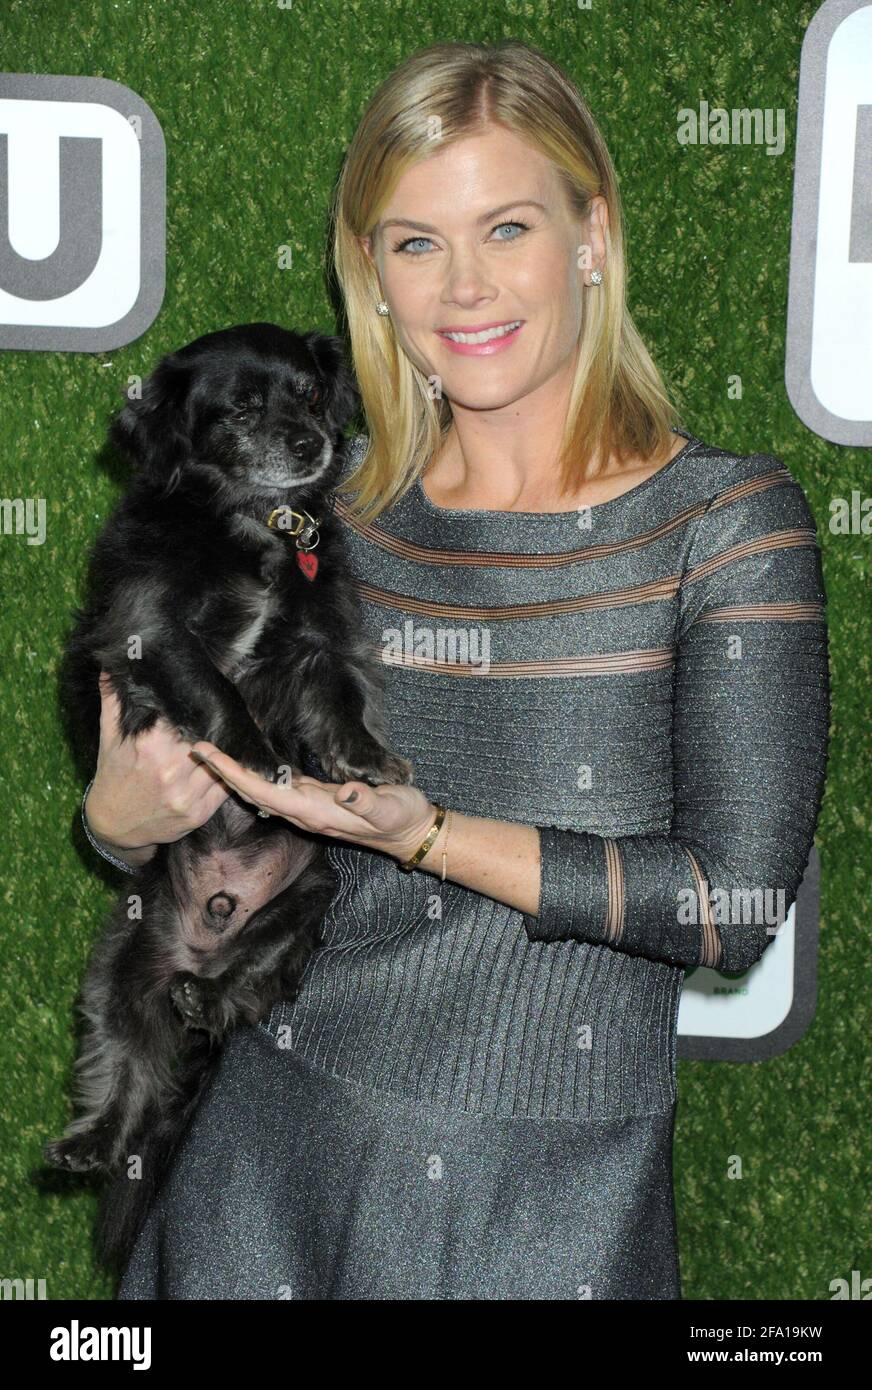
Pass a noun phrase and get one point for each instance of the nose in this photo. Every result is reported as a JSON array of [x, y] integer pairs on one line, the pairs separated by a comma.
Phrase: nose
[[300, 440], [467, 283]]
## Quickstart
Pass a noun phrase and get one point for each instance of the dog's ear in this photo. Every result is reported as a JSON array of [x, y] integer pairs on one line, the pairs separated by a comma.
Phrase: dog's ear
[[342, 397], [154, 429]]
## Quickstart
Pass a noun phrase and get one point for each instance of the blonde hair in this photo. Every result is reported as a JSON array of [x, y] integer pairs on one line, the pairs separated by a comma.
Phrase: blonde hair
[[618, 402]]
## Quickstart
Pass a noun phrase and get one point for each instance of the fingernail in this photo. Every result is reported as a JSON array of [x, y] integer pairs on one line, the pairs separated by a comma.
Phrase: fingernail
[[352, 796]]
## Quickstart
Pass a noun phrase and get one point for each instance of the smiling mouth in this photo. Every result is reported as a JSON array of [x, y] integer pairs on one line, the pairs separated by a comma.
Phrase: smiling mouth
[[485, 335]]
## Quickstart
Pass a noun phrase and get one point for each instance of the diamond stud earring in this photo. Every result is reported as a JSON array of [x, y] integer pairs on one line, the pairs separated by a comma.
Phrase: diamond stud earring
[[596, 277], [382, 308]]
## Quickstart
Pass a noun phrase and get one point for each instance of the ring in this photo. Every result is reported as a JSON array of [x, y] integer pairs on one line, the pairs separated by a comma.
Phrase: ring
[[265, 814]]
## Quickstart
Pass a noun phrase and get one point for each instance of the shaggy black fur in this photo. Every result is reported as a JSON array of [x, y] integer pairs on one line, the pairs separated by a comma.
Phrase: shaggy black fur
[[201, 613]]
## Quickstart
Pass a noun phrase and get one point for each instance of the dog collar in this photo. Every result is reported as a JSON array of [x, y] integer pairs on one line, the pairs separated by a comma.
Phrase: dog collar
[[304, 528]]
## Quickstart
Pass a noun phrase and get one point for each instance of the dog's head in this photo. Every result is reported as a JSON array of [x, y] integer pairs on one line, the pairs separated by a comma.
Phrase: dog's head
[[250, 416]]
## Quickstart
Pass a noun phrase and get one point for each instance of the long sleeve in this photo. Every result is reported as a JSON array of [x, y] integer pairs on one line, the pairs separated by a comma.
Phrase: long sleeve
[[751, 711]]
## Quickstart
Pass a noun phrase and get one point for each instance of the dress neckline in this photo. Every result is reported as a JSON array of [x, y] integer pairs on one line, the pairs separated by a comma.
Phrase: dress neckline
[[431, 507]]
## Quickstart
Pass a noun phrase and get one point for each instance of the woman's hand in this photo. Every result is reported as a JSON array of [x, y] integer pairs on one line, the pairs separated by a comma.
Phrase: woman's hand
[[394, 819], [147, 790]]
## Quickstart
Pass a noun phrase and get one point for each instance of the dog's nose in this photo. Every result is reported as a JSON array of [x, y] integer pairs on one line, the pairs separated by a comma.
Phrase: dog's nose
[[303, 443]]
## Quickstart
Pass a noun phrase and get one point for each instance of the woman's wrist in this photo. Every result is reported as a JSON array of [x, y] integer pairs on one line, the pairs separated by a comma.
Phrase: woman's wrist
[[122, 856], [404, 848], [500, 859], [432, 859]]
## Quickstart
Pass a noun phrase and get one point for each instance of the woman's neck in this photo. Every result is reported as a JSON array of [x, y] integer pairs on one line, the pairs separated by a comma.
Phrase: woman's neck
[[464, 474]]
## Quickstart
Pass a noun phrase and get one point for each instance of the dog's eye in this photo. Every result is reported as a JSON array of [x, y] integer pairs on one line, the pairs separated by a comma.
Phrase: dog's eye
[[313, 395]]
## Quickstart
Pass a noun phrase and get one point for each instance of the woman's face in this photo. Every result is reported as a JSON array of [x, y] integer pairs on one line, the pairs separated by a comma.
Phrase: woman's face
[[476, 235]]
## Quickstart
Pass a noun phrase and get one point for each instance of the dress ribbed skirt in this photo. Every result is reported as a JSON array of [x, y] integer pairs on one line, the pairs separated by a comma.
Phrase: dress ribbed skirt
[[293, 1183]]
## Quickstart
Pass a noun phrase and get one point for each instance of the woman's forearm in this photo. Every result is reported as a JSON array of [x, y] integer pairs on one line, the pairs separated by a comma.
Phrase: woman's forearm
[[494, 857], [500, 859]]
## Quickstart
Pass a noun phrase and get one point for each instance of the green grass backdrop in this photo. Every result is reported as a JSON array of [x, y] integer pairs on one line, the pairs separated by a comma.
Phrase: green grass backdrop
[[257, 101]]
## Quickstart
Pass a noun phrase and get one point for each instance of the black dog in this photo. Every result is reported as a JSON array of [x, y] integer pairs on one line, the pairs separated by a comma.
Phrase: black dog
[[219, 600]]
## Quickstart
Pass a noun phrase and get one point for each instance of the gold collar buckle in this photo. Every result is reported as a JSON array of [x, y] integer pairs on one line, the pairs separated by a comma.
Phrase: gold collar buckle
[[304, 528]]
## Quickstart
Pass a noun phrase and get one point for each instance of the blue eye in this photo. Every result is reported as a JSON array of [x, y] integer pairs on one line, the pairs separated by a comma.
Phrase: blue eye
[[522, 225], [410, 241]]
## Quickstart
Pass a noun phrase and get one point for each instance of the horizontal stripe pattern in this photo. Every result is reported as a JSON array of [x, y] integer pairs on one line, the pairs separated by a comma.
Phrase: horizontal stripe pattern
[[778, 540], [436, 994], [651, 591], [392, 544], [606, 663], [765, 613]]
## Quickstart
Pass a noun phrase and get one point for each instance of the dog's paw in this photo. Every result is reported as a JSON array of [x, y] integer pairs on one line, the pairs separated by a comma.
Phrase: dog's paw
[[80, 1153], [187, 997], [391, 768], [373, 764], [199, 1002], [253, 750]]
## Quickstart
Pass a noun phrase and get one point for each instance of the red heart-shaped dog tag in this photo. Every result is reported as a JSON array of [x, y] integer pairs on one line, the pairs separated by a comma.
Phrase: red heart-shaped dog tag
[[308, 563]]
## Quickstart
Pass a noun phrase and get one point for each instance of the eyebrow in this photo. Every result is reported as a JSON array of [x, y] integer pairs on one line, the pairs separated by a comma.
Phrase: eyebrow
[[485, 217]]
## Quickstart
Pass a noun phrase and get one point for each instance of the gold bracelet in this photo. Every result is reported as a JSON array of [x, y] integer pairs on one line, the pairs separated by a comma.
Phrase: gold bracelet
[[427, 840]]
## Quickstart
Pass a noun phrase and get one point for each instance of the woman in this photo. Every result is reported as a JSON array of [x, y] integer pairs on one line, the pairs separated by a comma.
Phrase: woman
[[606, 656]]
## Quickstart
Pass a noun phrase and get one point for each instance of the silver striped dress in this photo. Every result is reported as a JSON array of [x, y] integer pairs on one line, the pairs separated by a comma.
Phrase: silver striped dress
[[465, 1102]]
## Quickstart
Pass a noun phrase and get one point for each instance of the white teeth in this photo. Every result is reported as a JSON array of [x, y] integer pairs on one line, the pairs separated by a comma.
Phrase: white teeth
[[486, 334]]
